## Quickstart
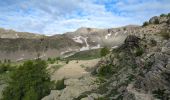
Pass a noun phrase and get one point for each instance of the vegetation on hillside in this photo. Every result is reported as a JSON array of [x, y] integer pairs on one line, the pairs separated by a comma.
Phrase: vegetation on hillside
[[60, 84], [29, 82], [145, 24], [85, 55], [104, 51]]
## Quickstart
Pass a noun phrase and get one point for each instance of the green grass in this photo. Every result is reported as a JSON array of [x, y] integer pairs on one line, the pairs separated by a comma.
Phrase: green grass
[[85, 55]]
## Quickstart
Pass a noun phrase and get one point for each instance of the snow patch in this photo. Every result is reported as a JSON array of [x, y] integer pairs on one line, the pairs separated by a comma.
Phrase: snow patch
[[96, 47], [19, 59], [64, 52], [78, 39], [87, 45], [108, 35], [114, 47]]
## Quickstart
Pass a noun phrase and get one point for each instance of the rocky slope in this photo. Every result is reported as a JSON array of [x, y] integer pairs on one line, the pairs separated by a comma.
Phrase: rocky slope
[[137, 70]]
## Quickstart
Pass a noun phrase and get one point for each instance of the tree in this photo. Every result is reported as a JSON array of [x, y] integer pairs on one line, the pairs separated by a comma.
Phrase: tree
[[145, 24], [29, 82], [162, 15], [104, 51]]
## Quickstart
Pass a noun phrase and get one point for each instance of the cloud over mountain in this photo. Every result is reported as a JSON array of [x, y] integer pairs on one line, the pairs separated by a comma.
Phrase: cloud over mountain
[[58, 16]]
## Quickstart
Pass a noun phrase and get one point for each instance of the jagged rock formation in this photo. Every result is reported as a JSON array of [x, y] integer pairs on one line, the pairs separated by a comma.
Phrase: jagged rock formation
[[137, 70]]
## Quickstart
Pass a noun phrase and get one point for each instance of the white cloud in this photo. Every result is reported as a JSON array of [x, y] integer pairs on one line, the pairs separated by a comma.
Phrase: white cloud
[[59, 16]]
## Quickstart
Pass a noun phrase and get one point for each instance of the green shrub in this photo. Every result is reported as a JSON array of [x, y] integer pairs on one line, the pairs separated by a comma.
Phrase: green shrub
[[104, 51], [5, 67], [67, 61], [160, 94], [168, 14], [51, 60], [145, 24], [162, 15], [139, 52], [29, 82], [60, 84], [153, 42], [105, 70]]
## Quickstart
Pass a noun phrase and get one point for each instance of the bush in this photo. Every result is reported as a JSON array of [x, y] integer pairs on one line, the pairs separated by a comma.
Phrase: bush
[[153, 42], [4, 67], [105, 70], [60, 84], [67, 61], [104, 51], [160, 94], [145, 24], [139, 52], [162, 15], [51, 61], [29, 82], [168, 14]]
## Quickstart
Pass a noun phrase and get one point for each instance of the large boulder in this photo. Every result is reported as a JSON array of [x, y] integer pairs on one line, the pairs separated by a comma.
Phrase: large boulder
[[131, 40]]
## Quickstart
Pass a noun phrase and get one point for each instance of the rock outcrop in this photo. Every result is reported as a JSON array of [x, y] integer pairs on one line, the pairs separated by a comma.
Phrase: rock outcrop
[[139, 69]]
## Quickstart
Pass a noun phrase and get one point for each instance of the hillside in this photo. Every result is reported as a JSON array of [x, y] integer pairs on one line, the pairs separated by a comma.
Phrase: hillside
[[7, 33], [137, 67], [136, 70], [80, 40]]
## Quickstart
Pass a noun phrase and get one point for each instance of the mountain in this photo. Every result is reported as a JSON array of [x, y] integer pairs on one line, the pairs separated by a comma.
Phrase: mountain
[[22, 45], [7, 33]]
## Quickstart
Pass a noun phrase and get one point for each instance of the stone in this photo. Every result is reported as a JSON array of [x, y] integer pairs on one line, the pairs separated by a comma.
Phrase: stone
[[131, 40]]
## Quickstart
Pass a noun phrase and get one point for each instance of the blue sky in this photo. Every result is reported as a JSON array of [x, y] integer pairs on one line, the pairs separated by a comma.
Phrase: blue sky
[[59, 16]]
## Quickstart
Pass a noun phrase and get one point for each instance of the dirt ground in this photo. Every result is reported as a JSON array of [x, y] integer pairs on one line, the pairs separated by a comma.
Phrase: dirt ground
[[74, 69]]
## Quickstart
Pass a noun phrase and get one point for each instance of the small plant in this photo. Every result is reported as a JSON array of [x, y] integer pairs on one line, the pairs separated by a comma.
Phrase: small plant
[[67, 61], [83, 66], [105, 70], [104, 51], [100, 80], [5, 67], [139, 52], [168, 14], [51, 61], [160, 94], [153, 42], [60, 84], [145, 24], [131, 77]]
